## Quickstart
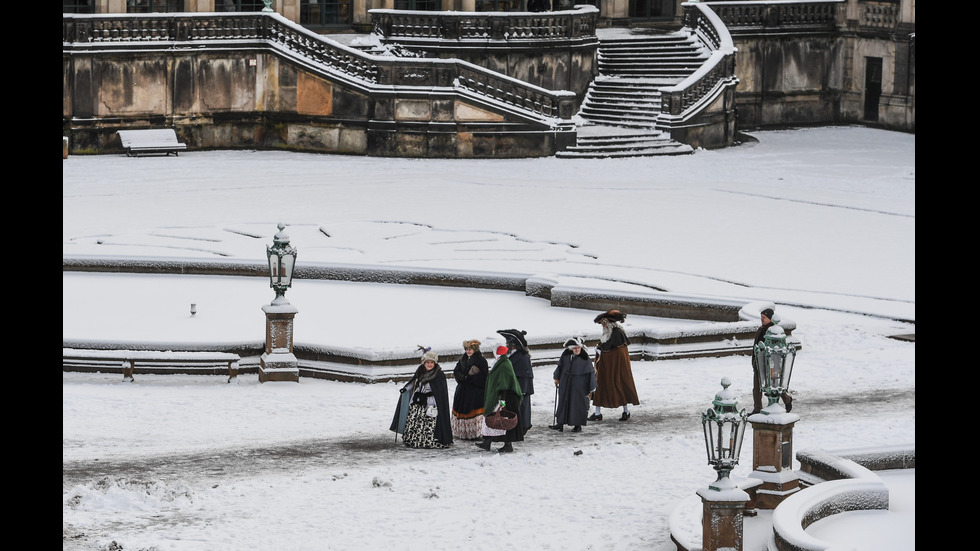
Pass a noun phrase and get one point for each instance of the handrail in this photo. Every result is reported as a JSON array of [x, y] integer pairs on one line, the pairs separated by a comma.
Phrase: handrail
[[379, 73], [484, 26], [683, 100]]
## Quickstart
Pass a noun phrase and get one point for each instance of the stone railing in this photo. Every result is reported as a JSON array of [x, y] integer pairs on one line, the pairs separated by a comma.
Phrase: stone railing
[[880, 15], [682, 100], [482, 26], [774, 17], [315, 51], [516, 93]]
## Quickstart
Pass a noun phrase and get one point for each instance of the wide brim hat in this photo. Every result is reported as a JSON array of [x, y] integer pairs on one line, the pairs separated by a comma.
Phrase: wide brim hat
[[515, 335], [612, 315], [574, 341]]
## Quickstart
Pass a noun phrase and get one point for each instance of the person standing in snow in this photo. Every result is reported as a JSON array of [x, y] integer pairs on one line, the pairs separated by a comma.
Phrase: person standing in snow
[[520, 358], [614, 373], [766, 318], [427, 420], [575, 379], [471, 380], [502, 387]]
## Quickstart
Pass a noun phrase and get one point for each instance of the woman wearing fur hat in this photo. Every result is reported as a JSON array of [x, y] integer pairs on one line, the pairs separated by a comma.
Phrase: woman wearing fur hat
[[502, 388], [471, 380], [575, 379], [614, 373], [427, 424]]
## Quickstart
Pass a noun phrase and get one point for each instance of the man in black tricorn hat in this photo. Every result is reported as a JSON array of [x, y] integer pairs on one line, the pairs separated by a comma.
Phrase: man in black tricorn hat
[[521, 359]]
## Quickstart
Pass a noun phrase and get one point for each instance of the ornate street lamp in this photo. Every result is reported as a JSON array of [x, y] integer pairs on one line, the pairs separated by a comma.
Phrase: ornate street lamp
[[774, 360], [278, 363], [724, 427], [282, 258]]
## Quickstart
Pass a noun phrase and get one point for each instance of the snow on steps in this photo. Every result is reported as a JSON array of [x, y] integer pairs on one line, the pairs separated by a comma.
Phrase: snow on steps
[[602, 141]]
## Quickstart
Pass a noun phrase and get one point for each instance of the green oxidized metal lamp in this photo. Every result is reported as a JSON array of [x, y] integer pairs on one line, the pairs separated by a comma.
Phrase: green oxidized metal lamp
[[724, 428], [282, 259], [774, 360]]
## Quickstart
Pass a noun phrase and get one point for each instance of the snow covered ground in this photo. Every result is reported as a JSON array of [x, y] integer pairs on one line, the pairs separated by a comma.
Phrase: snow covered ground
[[820, 222]]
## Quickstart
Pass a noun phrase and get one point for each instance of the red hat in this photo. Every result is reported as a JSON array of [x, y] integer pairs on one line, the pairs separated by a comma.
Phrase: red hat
[[502, 350]]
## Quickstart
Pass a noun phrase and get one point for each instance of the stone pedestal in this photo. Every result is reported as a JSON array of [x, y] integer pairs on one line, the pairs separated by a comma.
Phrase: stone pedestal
[[721, 518], [772, 456], [278, 362]]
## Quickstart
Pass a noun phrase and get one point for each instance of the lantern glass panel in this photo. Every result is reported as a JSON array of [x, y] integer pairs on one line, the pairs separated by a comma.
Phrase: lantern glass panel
[[726, 440], [788, 366], [740, 437], [288, 260], [776, 368]]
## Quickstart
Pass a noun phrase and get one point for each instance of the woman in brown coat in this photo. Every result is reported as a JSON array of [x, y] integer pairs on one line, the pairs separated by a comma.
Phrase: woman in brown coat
[[614, 374]]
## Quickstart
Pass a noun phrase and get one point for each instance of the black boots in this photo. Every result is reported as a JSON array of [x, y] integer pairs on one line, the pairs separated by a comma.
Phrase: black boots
[[506, 449], [485, 444], [625, 416], [559, 428], [577, 428], [788, 402], [595, 417]]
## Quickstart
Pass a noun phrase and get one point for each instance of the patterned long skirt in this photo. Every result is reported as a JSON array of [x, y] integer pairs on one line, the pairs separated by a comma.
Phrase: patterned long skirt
[[466, 429], [420, 429]]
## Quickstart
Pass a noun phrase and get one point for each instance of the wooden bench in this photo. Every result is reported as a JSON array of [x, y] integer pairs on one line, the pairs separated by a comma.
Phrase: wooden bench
[[155, 140], [150, 361]]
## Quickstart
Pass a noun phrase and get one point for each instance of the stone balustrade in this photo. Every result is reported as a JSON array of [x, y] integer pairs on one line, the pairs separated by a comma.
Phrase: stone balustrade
[[775, 17], [195, 30], [482, 26]]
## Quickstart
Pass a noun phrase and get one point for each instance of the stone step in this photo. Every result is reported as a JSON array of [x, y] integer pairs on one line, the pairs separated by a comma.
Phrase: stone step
[[626, 108], [620, 106], [660, 40], [643, 49], [626, 140], [623, 102], [677, 149], [606, 67], [621, 120]]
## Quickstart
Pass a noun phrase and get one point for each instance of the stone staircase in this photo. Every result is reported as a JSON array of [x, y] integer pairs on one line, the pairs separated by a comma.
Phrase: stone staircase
[[619, 113]]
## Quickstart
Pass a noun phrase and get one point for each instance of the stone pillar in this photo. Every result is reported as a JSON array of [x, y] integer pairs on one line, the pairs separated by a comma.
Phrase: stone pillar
[[721, 519], [772, 457], [278, 362]]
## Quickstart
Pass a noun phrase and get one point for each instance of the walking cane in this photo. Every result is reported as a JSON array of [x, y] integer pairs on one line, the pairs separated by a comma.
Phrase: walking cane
[[556, 406]]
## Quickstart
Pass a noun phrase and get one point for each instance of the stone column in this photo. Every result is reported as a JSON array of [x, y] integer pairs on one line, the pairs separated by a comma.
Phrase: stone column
[[278, 362], [721, 519], [772, 457]]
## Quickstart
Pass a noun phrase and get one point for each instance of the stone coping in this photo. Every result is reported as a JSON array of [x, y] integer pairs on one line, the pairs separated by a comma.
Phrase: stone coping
[[728, 329], [834, 482]]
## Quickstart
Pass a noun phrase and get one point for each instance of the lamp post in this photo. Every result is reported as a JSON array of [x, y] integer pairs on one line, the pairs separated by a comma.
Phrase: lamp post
[[723, 502], [774, 360], [772, 428], [724, 428], [282, 259], [278, 363]]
